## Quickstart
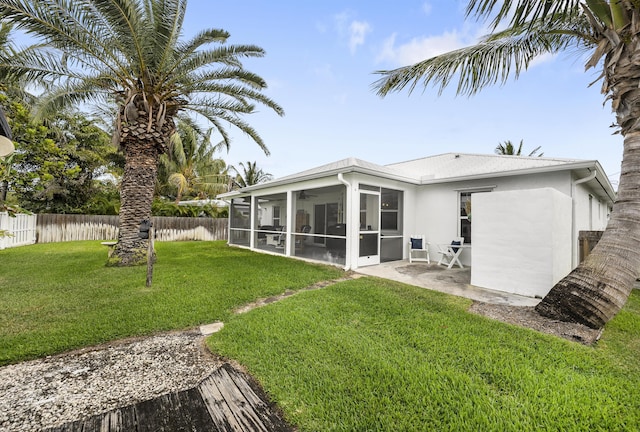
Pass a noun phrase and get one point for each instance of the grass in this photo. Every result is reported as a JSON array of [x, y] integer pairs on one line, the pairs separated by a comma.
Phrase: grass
[[56, 297], [372, 355], [361, 355]]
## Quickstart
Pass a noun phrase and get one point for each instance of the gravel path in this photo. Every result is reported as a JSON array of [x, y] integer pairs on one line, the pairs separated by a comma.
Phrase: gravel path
[[51, 391], [48, 392]]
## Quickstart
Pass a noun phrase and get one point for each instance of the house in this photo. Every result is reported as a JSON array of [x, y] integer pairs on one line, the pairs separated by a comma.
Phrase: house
[[519, 216]]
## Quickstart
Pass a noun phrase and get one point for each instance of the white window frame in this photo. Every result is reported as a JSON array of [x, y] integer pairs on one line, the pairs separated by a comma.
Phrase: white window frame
[[470, 191]]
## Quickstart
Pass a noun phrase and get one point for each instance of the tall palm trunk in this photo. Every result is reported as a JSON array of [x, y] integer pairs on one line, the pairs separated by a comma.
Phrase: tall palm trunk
[[598, 288], [142, 146], [4, 187]]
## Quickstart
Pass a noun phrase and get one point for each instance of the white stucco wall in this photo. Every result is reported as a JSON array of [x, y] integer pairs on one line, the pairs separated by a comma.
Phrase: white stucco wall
[[437, 206], [521, 240], [591, 211]]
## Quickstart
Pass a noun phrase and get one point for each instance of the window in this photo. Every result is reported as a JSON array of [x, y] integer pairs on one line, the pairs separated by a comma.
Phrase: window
[[465, 212], [464, 223], [276, 216]]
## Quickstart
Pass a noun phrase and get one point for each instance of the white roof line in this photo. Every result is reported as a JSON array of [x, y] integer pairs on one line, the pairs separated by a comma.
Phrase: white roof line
[[356, 165]]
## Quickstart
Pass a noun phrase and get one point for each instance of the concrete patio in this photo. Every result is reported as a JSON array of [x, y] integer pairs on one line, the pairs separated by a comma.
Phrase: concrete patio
[[455, 281]]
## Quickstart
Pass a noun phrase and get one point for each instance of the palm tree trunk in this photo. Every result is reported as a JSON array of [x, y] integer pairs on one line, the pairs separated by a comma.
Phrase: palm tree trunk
[[136, 198], [599, 287], [4, 187], [142, 147]]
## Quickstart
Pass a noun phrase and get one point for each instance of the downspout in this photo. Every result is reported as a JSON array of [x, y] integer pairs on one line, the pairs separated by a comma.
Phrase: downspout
[[229, 202], [347, 221], [252, 220], [574, 233]]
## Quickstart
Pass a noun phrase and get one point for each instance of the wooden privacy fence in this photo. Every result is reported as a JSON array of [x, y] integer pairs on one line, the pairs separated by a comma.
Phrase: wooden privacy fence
[[587, 240], [65, 227], [17, 231]]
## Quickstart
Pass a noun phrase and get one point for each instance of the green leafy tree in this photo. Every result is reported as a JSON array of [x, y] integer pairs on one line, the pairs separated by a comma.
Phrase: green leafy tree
[[191, 169], [508, 149], [130, 53], [54, 168], [250, 175], [165, 208], [610, 31], [105, 199], [6, 170]]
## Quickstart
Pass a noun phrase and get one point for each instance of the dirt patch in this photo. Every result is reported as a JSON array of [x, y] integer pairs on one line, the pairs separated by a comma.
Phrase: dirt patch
[[265, 301], [526, 316]]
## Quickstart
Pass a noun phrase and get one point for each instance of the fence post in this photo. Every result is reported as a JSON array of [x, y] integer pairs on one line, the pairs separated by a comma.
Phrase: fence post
[[4, 229], [151, 257]]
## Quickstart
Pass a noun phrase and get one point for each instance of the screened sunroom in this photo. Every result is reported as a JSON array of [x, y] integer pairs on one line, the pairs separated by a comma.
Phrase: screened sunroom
[[348, 219]]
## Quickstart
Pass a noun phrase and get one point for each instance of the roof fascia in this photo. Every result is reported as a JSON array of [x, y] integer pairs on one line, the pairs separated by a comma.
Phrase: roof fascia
[[334, 172], [603, 180], [522, 171]]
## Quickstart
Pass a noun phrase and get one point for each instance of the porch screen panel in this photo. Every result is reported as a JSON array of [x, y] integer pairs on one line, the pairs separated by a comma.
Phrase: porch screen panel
[[391, 214], [319, 231], [240, 221], [369, 217], [271, 223]]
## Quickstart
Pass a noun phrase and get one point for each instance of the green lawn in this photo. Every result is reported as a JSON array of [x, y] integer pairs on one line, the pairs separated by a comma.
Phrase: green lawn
[[55, 297], [361, 355], [370, 355]]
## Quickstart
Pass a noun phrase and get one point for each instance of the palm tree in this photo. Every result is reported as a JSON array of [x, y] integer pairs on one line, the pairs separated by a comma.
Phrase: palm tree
[[507, 149], [610, 32], [191, 167], [129, 53], [250, 175]]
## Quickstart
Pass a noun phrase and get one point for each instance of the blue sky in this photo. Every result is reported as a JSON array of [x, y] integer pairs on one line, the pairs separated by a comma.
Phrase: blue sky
[[319, 64]]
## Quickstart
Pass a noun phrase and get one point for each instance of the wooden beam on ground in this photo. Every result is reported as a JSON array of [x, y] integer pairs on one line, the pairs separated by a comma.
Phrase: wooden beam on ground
[[225, 401]]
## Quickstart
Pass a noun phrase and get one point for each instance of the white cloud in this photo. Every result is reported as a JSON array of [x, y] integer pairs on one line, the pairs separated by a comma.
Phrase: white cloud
[[544, 58], [418, 49], [358, 31], [353, 30], [426, 8], [422, 48], [341, 20]]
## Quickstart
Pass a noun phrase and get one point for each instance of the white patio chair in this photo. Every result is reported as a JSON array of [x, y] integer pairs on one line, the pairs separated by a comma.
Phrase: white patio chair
[[450, 253], [418, 249]]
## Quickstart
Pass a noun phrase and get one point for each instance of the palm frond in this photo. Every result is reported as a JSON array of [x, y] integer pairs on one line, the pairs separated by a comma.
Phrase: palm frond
[[126, 22], [168, 18], [71, 27], [59, 98], [202, 38], [237, 97], [118, 49], [229, 74], [227, 56], [521, 12], [216, 115], [495, 59]]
